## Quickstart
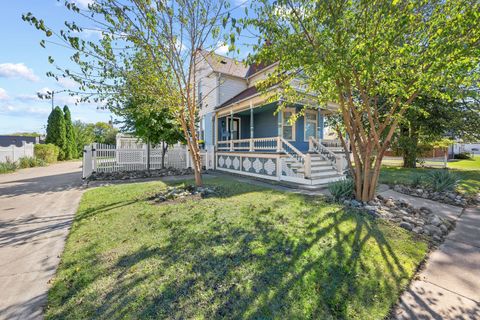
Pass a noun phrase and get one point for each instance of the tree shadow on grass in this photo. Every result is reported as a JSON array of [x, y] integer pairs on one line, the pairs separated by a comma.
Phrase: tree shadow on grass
[[329, 267]]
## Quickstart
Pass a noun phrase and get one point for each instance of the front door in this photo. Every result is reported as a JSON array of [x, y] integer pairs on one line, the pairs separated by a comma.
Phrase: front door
[[235, 130]]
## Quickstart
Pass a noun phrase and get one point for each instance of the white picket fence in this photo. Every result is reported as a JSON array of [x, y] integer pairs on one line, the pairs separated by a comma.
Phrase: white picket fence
[[13, 153], [108, 158]]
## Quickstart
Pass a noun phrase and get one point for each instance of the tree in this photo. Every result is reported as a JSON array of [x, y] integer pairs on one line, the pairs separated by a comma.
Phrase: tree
[[56, 131], [431, 120], [170, 32], [144, 111], [373, 58], [70, 147], [104, 133], [84, 134]]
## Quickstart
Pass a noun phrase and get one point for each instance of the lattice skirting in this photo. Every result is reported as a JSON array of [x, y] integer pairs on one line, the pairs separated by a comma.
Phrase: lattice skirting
[[248, 164]]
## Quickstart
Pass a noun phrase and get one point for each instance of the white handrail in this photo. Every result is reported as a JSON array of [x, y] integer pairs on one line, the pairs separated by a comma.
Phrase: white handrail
[[295, 153]]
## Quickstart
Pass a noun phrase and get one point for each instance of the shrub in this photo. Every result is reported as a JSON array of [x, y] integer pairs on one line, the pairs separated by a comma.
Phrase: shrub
[[463, 156], [342, 189], [8, 166], [30, 162], [442, 180], [47, 152], [416, 180]]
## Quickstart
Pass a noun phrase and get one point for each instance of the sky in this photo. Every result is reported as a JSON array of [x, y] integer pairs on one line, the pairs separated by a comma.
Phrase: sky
[[24, 64], [23, 68]]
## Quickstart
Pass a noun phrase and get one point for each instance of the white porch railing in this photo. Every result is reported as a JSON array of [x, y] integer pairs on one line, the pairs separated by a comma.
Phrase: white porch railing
[[339, 162], [255, 144]]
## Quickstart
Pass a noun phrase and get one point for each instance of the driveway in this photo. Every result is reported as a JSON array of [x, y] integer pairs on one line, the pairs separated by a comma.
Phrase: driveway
[[37, 206]]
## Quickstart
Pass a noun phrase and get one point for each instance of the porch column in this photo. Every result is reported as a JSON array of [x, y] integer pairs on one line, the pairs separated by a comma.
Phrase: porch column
[[231, 129], [280, 122], [215, 134], [252, 128], [320, 125]]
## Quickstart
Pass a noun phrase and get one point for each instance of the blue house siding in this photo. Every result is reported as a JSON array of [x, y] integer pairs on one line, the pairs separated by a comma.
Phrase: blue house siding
[[265, 124]]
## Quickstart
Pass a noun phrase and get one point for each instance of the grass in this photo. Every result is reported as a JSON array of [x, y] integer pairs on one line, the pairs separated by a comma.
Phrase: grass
[[467, 170], [7, 167], [250, 253]]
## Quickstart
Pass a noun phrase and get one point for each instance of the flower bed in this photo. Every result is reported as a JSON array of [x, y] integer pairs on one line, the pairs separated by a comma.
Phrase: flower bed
[[421, 220], [448, 197], [140, 174]]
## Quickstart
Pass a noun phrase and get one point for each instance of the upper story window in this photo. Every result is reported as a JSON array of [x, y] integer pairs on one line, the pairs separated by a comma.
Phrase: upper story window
[[288, 127], [311, 124]]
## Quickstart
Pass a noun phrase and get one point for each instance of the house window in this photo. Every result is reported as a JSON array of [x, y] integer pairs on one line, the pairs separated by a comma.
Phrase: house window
[[288, 128], [311, 124]]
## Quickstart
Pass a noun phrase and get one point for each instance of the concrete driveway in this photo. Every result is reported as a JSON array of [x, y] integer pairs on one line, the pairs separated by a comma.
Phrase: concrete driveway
[[37, 206]]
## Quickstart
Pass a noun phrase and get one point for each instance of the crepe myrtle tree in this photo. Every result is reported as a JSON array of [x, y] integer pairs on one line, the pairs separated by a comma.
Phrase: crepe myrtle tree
[[171, 32], [372, 58]]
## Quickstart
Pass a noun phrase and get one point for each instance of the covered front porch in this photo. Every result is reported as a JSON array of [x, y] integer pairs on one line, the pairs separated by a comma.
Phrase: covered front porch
[[264, 124], [263, 143]]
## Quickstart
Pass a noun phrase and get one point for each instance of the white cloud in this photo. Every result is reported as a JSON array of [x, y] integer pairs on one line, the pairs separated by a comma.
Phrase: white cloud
[[222, 49], [17, 70], [84, 3], [68, 83], [24, 111], [3, 94]]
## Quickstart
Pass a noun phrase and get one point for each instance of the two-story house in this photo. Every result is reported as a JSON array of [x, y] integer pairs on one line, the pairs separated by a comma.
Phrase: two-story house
[[250, 137]]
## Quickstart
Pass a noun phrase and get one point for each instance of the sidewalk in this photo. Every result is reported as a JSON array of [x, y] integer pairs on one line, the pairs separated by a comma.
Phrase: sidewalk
[[449, 285]]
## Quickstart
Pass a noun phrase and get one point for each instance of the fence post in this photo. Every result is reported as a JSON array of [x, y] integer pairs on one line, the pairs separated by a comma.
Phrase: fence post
[[94, 156]]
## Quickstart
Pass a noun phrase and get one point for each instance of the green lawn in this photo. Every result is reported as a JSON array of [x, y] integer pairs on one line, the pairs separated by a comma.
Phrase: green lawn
[[250, 253], [467, 170]]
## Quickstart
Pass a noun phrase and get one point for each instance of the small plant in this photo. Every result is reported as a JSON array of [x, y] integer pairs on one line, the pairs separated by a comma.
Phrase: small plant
[[30, 162], [463, 156], [8, 166], [442, 180], [342, 189], [416, 180]]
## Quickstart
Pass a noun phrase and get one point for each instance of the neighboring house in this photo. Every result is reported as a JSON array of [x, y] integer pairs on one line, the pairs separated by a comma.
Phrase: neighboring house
[[459, 147], [18, 141], [249, 137]]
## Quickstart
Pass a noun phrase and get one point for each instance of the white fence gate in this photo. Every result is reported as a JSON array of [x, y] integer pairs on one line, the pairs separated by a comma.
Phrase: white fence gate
[[13, 153], [108, 158]]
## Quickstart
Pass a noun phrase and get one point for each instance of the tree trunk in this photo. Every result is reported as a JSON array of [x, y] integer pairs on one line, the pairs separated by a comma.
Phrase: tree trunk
[[164, 151], [409, 145], [197, 166], [148, 155]]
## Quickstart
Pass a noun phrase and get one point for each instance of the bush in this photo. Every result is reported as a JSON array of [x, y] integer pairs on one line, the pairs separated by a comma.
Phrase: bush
[[30, 162], [463, 156], [343, 189], [416, 180], [442, 180], [8, 166], [47, 152]]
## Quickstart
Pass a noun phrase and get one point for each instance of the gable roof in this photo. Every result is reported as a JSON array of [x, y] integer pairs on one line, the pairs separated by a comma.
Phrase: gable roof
[[224, 64], [251, 91]]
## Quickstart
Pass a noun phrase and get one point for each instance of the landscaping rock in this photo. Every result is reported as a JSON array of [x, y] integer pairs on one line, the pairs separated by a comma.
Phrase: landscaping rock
[[421, 220], [139, 174], [406, 225], [448, 197], [183, 192]]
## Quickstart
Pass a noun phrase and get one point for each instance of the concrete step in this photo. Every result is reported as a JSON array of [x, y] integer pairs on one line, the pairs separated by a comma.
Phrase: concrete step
[[327, 180], [318, 169], [323, 174]]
